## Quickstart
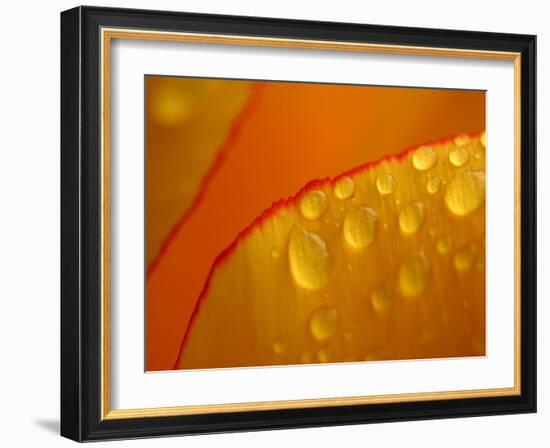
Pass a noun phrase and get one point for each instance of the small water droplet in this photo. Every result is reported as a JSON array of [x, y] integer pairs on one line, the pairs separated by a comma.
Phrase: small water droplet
[[360, 226], [413, 275], [381, 298], [464, 258], [323, 355], [462, 140], [309, 258], [411, 217], [385, 183], [279, 347], [424, 158], [483, 139], [465, 192], [444, 244], [313, 204], [459, 156], [432, 184], [344, 187], [275, 252], [323, 323]]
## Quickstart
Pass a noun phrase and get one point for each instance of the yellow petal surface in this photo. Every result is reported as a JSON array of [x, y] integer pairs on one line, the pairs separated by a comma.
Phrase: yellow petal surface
[[374, 264]]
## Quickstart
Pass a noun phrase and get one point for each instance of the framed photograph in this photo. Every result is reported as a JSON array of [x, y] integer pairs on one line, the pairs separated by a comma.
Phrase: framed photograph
[[275, 224]]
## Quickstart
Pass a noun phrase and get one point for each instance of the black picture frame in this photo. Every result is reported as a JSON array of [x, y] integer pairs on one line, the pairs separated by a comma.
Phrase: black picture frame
[[81, 224]]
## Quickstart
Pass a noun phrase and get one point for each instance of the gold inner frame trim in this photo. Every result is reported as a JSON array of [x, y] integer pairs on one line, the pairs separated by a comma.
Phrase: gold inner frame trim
[[107, 35]]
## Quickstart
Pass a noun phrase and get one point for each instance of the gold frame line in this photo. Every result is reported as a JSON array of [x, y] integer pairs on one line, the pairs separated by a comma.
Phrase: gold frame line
[[107, 35]]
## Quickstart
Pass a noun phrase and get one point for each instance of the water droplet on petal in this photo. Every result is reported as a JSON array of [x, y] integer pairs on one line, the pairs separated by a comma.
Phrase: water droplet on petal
[[432, 184], [483, 139], [385, 183], [464, 258], [411, 217], [313, 204], [413, 275], [360, 226], [459, 156], [381, 298], [323, 355], [424, 158], [465, 192], [344, 187], [323, 323], [279, 347], [444, 244], [309, 258], [478, 153], [462, 140]]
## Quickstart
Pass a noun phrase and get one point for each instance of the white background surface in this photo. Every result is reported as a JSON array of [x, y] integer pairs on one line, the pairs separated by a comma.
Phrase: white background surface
[[29, 230], [132, 388]]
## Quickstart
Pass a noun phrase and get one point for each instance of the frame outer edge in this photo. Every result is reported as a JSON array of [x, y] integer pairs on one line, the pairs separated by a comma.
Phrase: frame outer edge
[[81, 419], [529, 222], [71, 405]]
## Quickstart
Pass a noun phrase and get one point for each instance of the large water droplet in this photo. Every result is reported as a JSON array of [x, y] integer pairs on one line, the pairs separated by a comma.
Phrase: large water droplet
[[344, 188], [313, 204], [459, 156], [360, 226], [309, 258], [432, 184], [411, 217], [385, 183], [323, 323], [424, 158], [381, 298], [413, 275], [465, 192]]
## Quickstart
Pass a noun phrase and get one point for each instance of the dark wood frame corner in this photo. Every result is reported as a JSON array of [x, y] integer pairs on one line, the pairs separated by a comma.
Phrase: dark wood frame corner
[[85, 36]]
